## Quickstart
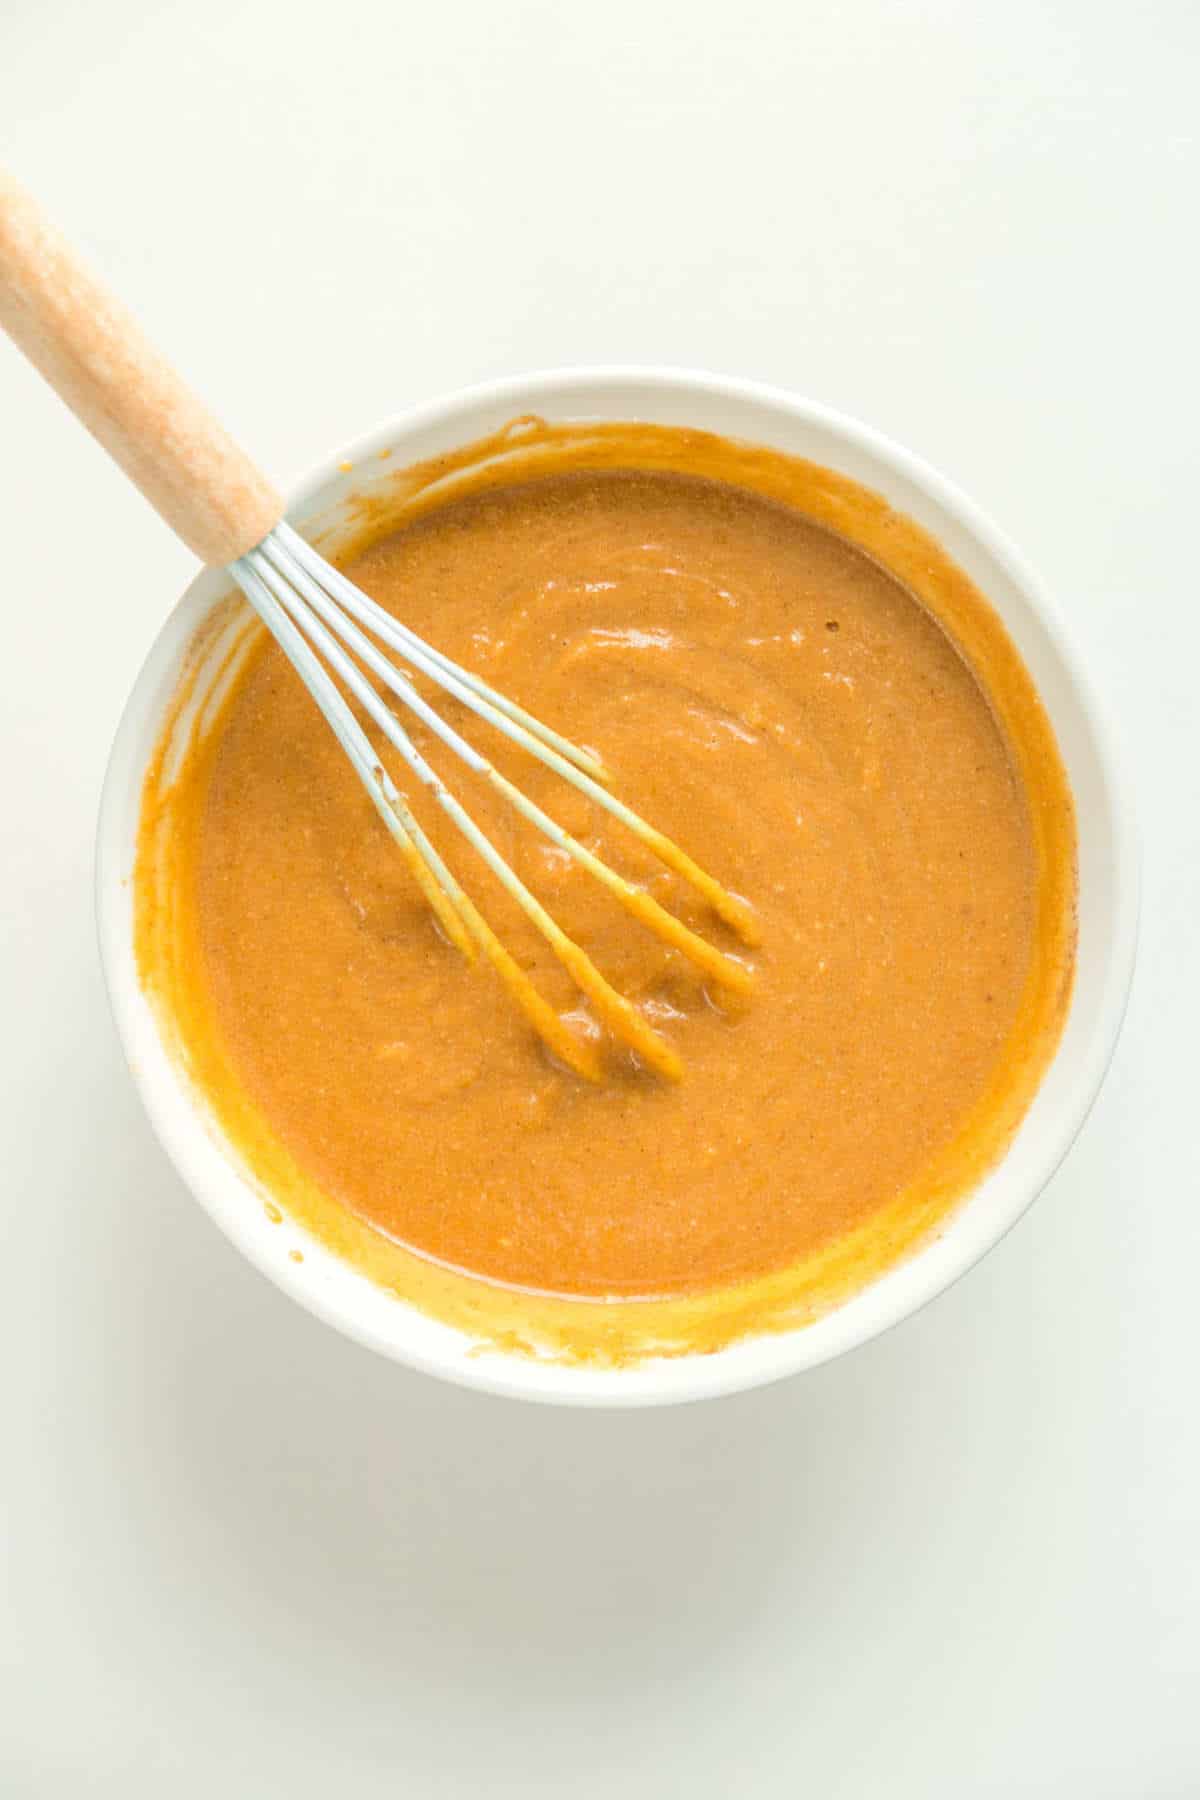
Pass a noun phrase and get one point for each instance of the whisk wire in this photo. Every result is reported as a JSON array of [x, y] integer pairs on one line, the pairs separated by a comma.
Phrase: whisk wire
[[461, 919], [315, 613], [622, 1018], [555, 752], [722, 968]]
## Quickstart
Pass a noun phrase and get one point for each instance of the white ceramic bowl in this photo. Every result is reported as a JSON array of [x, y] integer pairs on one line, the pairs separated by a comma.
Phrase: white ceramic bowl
[[1108, 885]]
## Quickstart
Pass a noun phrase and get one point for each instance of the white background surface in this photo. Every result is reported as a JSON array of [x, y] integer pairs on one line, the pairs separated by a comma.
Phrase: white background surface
[[245, 1557]]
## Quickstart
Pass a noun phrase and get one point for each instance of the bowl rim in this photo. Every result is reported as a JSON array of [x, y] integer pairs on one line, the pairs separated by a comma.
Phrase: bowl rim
[[903, 1290]]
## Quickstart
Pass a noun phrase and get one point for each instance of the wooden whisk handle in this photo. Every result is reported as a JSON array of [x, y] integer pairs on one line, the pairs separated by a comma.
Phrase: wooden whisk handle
[[93, 353]]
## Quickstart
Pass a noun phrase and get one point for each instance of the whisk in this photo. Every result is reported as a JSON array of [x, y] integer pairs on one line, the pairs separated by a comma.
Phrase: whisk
[[93, 353]]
